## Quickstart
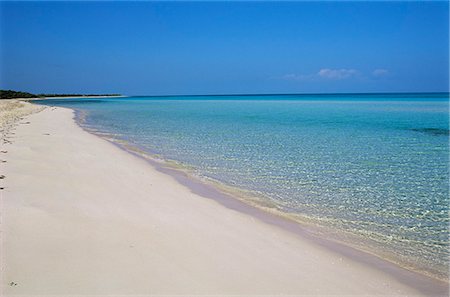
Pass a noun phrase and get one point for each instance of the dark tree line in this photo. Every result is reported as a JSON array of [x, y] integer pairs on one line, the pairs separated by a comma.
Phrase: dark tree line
[[10, 94]]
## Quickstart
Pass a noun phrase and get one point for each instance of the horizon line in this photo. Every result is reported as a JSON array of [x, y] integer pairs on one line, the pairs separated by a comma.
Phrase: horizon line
[[287, 94]]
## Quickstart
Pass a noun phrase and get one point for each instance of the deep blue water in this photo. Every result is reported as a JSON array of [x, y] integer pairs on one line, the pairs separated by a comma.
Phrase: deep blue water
[[370, 167]]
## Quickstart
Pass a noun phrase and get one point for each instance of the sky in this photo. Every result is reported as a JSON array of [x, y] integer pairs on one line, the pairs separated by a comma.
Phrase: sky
[[175, 48]]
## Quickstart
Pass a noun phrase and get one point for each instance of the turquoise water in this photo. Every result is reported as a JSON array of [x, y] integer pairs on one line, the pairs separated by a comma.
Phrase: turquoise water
[[371, 168]]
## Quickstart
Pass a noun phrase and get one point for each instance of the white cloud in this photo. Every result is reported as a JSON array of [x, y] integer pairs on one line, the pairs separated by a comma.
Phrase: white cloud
[[325, 73], [296, 77], [380, 72], [337, 73]]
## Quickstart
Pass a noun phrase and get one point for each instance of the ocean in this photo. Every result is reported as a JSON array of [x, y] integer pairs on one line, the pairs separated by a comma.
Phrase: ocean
[[368, 170]]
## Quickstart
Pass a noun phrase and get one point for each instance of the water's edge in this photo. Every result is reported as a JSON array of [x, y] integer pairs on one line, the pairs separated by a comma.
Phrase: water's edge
[[247, 203]]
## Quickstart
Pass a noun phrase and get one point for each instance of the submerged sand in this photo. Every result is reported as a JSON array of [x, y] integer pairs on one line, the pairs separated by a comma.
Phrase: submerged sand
[[80, 216]]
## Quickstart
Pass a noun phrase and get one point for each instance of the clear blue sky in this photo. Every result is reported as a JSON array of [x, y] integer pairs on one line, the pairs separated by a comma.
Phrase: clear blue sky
[[223, 48]]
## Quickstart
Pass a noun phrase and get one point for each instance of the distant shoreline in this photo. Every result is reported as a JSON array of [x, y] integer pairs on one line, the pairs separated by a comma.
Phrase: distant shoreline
[[364, 94], [69, 97], [12, 94], [89, 96]]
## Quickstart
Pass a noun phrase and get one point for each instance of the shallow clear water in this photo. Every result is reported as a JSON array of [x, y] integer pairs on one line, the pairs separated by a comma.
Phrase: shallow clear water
[[376, 167]]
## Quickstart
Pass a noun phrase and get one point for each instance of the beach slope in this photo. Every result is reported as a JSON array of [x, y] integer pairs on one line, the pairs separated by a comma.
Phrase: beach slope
[[81, 216]]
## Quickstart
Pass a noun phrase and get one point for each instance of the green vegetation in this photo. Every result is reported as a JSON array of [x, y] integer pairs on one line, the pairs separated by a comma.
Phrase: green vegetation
[[10, 94]]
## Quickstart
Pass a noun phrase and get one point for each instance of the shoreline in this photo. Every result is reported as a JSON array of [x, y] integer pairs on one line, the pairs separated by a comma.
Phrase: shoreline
[[354, 265], [250, 203], [49, 98], [244, 201], [77, 97]]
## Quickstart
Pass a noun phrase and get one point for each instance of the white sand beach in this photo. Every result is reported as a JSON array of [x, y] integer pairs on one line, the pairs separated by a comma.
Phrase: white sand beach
[[80, 216]]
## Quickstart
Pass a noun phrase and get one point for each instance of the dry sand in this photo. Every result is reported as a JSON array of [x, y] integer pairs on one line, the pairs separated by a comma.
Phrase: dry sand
[[80, 216]]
